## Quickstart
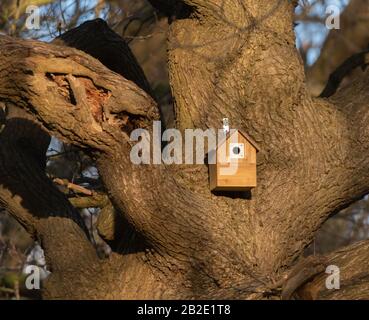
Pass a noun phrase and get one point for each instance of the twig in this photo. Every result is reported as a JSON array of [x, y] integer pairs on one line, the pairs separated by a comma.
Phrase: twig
[[7, 290], [72, 186], [95, 201], [16, 289]]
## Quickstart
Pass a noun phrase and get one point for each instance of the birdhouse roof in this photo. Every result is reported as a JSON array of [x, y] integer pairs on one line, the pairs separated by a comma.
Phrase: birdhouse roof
[[246, 136]]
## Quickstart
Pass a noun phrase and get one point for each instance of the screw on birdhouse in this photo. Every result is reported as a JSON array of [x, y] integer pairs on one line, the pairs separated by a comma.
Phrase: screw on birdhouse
[[225, 125]]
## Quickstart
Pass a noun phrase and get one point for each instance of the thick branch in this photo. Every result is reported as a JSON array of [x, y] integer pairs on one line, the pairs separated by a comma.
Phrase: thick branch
[[47, 70], [89, 96], [98, 40], [352, 262], [90, 106], [28, 194]]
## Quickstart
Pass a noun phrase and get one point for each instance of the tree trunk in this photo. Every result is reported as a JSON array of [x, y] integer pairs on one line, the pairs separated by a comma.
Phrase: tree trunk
[[234, 59]]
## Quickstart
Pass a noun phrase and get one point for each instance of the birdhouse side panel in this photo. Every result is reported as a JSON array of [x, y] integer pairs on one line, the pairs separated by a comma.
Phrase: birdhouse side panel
[[213, 176]]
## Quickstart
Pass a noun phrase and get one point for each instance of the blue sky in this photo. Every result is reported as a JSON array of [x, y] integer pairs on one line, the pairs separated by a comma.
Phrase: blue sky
[[312, 33], [315, 33]]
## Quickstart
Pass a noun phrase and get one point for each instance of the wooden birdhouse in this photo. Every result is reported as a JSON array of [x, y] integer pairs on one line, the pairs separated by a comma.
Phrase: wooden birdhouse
[[234, 168]]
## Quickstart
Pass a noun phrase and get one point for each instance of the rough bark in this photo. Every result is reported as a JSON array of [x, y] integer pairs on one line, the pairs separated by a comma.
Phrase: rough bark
[[179, 240], [354, 284], [28, 194], [108, 47]]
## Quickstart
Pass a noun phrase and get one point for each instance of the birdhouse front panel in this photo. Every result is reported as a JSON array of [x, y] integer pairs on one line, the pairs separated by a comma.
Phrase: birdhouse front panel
[[235, 167]]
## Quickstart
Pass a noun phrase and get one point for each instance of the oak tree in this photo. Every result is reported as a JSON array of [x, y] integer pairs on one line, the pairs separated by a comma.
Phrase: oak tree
[[171, 236]]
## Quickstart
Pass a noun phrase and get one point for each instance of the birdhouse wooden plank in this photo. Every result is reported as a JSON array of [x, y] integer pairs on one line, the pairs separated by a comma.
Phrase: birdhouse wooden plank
[[235, 164]]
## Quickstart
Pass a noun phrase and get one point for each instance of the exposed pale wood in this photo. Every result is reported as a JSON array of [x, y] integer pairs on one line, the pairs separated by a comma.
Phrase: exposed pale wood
[[108, 47], [73, 186]]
